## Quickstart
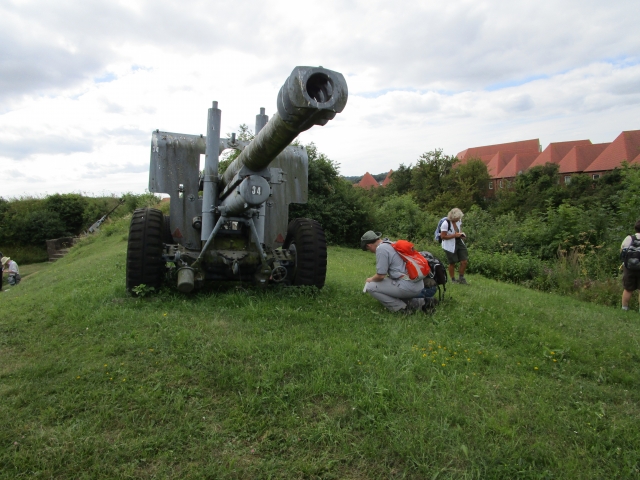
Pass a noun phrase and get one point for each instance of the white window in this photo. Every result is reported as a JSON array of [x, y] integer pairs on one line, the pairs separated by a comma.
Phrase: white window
[[567, 179], [500, 183], [595, 176], [490, 185]]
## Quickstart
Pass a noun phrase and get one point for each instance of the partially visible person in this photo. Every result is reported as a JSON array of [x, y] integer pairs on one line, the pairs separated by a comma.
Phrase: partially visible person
[[11, 269], [390, 285], [453, 244], [631, 266]]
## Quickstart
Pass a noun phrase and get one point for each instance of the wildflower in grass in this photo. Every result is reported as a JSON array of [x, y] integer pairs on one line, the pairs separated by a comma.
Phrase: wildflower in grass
[[165, 314], [555, 360], [111, 378], [553, 353], [124, 379], [424, 355], [468, 359], [105, 364], [535, 368], [78, 377], [444, 364]]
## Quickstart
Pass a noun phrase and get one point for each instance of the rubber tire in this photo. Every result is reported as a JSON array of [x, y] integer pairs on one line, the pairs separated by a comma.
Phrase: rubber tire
[[144, 249], [310, 244]]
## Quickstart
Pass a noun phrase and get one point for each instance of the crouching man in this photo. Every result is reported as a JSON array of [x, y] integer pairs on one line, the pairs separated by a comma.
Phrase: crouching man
[[390, 285]]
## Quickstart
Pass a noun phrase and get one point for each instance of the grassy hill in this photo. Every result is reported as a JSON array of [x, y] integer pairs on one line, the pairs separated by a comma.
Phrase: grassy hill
[[232, 382]]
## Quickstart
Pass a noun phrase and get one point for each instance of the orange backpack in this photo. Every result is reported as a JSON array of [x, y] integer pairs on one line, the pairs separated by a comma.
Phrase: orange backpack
[[417, 266]]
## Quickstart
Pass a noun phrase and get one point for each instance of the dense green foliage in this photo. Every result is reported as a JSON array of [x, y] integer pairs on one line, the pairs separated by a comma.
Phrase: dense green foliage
[[26, 223], [232, 382], [547, 235], [339, 207]]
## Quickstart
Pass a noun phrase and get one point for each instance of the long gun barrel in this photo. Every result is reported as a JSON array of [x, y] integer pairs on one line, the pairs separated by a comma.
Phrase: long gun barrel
[[310, 96]]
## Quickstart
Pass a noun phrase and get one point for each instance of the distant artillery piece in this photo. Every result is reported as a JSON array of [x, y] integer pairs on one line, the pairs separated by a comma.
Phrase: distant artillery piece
[[238, 228], [94, 228]]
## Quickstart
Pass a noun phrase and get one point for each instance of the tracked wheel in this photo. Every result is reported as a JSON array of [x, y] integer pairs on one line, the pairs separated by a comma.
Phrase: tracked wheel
[[306, 240], [144, 249]]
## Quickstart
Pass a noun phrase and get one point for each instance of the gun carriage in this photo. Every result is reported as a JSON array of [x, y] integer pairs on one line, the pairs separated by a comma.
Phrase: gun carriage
[[235, 226]]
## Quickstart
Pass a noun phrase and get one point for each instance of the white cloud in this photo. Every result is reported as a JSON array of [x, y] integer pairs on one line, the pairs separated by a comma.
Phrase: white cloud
[[80, 95]]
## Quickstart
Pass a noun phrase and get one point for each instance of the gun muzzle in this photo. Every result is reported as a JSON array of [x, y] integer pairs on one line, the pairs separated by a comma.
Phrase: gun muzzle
[[310, 96]]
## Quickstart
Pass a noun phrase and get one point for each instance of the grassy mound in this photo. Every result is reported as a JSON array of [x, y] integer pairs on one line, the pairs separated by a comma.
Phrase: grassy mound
[[232, 382]]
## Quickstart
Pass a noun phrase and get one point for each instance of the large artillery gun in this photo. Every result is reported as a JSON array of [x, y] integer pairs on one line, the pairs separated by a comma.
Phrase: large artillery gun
[[235, 226]]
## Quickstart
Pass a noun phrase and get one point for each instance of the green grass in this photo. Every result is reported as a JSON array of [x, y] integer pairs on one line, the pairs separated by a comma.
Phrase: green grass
[[234, 382]]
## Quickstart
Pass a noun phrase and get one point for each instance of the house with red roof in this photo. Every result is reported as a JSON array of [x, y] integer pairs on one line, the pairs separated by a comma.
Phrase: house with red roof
[[488, 151], [367, 182], [626, 147], [506, 160], [387, 179], [578, 159], [518, 164], [556, 152]]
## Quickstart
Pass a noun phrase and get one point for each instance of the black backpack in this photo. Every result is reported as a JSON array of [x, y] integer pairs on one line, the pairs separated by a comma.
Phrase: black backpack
[[631, 255], [438, 273]]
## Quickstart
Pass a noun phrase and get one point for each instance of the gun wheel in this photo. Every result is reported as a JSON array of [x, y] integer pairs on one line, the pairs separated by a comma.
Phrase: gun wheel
[[306, 241], [144, 249]]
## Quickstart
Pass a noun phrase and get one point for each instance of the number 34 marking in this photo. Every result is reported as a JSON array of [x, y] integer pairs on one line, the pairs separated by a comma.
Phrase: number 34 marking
[[256, 190]]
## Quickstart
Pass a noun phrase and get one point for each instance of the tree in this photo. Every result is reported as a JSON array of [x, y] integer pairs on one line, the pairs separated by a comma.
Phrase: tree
[[70, 209], [427, 177], [400, 180], [341, 209], [245, 134]]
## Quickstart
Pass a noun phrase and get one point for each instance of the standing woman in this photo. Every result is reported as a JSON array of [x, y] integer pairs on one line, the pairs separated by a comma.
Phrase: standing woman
[[453, 244]]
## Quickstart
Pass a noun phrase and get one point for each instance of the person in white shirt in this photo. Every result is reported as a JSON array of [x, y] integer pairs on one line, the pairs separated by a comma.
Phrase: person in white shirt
[[453, 244], [11, 269]]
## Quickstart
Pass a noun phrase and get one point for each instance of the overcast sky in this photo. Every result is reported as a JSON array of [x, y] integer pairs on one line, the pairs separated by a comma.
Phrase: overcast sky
[[83, 83]]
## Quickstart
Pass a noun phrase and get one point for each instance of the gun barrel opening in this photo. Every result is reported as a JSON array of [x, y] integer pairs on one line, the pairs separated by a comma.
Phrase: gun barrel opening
[[320, 87]]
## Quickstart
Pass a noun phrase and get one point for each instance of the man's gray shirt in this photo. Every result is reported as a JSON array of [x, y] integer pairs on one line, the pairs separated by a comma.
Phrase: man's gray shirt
[[389, 262]]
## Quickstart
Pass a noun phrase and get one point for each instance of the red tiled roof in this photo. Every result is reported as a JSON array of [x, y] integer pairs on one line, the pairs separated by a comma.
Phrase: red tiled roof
[[580, 157], [387, 179], [367, 181], [518, 164], [625, 147], [523, 146], [556, 151], [498, 162], [635, 161]]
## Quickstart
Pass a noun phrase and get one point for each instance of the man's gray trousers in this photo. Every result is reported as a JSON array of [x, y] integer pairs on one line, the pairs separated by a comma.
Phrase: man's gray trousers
[[390, 292]]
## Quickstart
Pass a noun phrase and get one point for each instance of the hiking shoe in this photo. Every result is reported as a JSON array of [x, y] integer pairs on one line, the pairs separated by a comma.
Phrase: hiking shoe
[[454, 280], [462, 281], [430, 305]]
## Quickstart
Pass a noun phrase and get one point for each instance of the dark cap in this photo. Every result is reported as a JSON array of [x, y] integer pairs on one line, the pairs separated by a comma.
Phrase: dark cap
[[369, 237]]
